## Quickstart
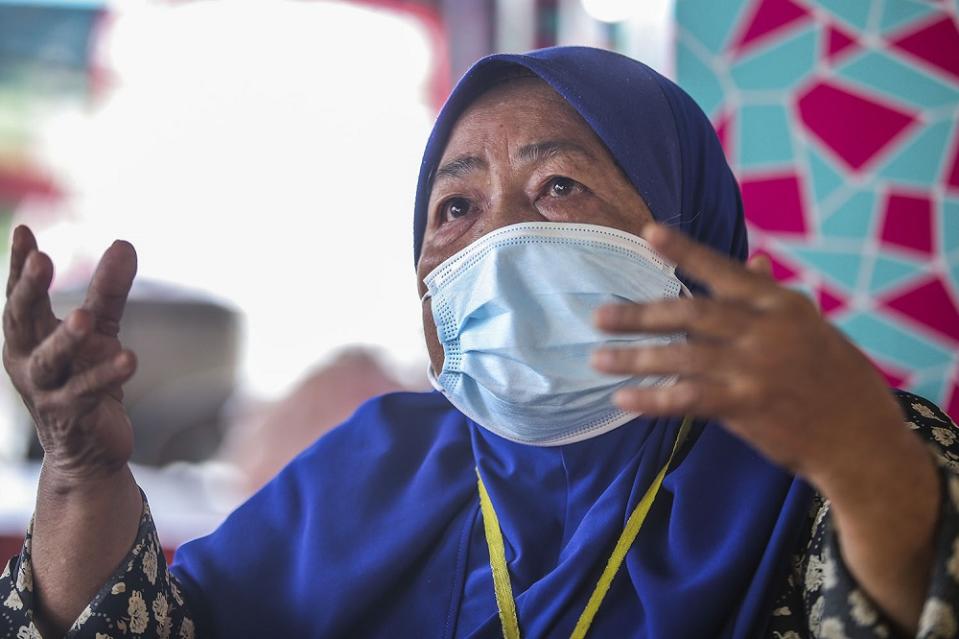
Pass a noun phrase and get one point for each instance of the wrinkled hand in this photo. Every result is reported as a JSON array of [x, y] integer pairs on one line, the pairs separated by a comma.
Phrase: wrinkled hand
[[758, 357], [69, 373]]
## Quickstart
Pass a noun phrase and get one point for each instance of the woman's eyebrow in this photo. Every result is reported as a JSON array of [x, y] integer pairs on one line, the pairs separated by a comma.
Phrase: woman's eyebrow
[[464, 164], [458, 167], [551, 148]]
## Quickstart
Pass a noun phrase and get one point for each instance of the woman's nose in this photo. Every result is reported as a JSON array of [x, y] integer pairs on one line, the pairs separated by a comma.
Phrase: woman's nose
[[511, 208]]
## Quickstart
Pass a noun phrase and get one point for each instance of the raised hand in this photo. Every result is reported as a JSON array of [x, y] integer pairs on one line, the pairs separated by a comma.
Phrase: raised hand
[[69, 373], [758, 356]]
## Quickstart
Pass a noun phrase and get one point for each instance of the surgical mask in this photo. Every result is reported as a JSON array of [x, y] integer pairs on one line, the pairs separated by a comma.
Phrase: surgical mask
[[514, 313]]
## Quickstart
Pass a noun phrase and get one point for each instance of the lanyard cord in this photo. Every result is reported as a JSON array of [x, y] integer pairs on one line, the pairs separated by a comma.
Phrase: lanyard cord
[[501, 582]]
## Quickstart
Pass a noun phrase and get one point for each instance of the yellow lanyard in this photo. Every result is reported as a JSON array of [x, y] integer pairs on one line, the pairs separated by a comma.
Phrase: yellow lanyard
[[497, 553]]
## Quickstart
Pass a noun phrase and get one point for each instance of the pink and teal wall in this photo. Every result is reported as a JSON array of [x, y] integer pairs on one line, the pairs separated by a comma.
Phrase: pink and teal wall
[[839, 118]]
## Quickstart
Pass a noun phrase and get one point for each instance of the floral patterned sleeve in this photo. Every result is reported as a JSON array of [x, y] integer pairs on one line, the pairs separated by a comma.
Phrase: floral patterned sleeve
[[141, 599], [835, 606]]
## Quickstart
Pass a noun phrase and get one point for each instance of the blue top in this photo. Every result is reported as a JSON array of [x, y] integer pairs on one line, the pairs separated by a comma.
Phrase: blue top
[[375, 529], [272, 588]]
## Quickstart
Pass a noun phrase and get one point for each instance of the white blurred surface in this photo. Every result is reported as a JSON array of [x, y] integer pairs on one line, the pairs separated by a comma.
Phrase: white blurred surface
[[187, 500], [263, 151]]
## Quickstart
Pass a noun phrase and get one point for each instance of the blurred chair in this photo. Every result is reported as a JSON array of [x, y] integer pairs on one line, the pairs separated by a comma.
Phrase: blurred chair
[[187, 351], [269, 437]]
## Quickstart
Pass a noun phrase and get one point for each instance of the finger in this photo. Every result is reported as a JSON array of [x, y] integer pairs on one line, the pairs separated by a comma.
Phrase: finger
[[27, 316], [693, 397], [698, 317], [100, 378], [680, 359], [761, 265], [110, 286], [49, 364], [21, 246], [724, 276]]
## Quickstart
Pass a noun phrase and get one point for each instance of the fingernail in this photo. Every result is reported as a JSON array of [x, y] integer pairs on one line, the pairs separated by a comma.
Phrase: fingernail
[[619, 399], [123, 362], [655, 232], [606, 314], [603, 358], [33, 264], [75, 324]]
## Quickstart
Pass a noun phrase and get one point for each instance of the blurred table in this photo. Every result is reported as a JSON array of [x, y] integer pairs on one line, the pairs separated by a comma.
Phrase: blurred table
[[187, 500]]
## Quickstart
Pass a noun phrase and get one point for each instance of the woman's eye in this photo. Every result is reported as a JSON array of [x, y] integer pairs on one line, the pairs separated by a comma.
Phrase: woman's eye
[[455, 208], [562, 187]]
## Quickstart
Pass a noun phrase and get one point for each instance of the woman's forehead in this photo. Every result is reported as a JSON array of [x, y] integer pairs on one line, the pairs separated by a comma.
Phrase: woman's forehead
[[518, 112]]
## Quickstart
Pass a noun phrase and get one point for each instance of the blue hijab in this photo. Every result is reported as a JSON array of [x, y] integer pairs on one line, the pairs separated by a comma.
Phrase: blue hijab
[[375, 531]]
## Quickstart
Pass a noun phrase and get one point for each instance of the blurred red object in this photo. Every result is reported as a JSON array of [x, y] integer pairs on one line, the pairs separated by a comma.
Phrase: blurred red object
[[263, 443], [9, 546], [18, 183]]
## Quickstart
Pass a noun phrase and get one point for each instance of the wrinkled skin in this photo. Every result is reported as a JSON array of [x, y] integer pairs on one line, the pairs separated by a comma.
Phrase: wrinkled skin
[[759, 357], [508, 182], [69, 373]]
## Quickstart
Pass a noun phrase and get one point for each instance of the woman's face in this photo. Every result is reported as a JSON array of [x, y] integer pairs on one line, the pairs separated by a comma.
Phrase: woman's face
[[520, 153]]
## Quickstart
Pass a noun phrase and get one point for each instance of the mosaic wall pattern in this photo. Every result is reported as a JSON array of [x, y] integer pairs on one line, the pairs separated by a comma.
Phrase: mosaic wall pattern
[[839, 118]]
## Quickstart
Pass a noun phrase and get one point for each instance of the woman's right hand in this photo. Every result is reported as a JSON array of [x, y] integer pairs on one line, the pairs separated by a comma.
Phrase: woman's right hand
[[70, 373]]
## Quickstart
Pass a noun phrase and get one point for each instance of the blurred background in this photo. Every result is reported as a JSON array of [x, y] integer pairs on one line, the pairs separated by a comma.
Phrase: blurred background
[[262, 157]]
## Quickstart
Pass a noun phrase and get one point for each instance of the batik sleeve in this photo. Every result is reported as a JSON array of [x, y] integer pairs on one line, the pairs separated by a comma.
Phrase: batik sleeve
[[140, 599], [836, 606]]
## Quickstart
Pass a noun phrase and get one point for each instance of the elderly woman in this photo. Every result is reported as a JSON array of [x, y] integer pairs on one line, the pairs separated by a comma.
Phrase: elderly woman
[[617, 449]]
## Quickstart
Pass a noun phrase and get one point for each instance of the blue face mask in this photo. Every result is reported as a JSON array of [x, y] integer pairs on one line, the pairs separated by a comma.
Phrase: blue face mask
[[514, 313]]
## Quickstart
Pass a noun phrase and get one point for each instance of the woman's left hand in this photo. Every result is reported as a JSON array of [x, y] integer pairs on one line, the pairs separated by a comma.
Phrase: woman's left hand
[[759, 357]]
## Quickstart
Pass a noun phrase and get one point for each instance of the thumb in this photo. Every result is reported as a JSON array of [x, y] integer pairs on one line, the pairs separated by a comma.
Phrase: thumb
[[761, 264]]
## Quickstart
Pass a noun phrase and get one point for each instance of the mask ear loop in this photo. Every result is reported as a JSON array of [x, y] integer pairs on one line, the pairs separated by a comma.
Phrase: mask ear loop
[[430, 373]]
